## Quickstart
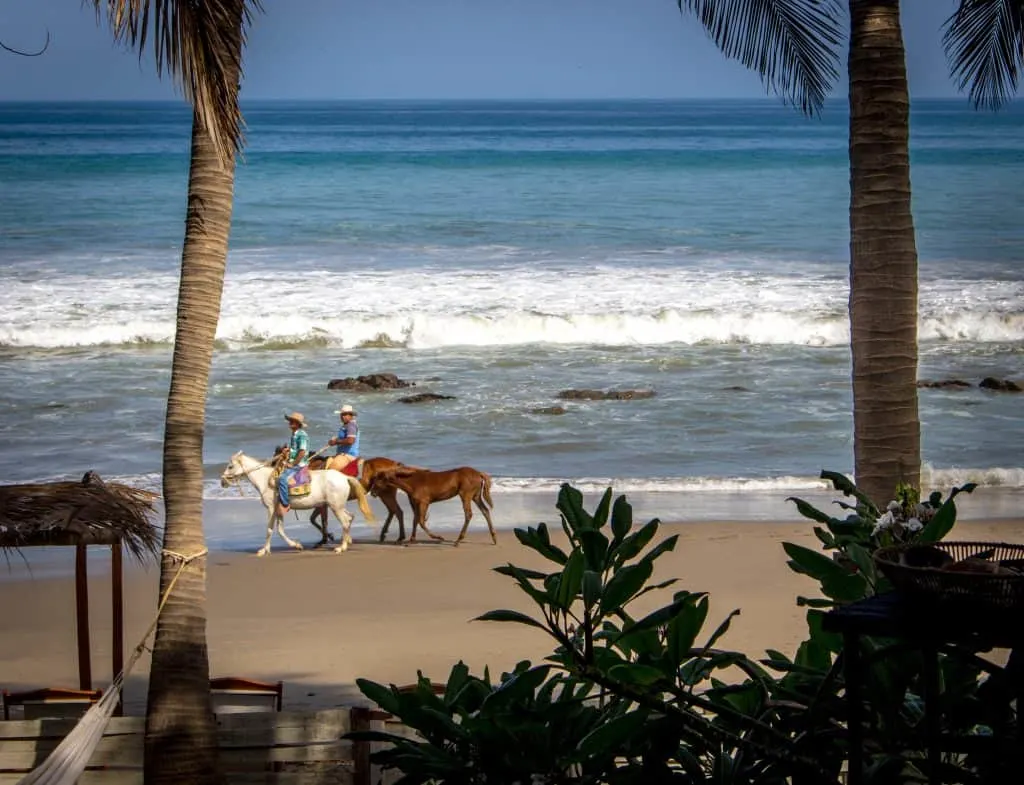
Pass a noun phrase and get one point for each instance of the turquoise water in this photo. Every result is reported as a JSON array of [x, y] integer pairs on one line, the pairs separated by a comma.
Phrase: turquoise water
[[503, 252]]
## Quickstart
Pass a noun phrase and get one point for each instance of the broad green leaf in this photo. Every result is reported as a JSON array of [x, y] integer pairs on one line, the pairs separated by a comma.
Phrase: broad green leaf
[[825, 537], [666, 545], [860, 556], [659, 617], [636, 542], [457, 679], [601, 513], [513, 616], [571, 580], [812, 563], [595, 547], [592, 587], [542, 598], [843, 483], [833, 641], [622, 519], [944, 519], [625, 583], [570, 504], [721, 629], [847, 587], [510, 572], [808, 510], [684, 629], [635, 673], [539, 540], [608, 737], [383, 696]]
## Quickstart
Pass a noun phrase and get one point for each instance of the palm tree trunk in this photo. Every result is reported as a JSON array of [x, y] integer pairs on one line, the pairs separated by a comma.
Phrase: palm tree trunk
[[883, 255], [181, 737]]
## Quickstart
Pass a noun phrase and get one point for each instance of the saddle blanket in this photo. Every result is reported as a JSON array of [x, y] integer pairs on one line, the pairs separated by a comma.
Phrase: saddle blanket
[[351, 469], [300, 483]]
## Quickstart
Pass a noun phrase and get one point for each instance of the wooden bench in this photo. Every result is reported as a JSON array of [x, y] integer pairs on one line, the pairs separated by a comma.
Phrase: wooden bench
[[49, 702]]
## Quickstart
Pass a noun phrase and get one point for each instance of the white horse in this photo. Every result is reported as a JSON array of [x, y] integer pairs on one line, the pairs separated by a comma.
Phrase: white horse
[[326, 487]]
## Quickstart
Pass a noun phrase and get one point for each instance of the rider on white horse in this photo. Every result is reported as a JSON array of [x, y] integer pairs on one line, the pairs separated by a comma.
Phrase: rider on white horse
[[298, 457]]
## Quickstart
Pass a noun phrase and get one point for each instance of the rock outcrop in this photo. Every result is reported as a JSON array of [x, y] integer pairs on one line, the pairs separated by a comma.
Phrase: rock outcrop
[[373, 382], [604, 395]]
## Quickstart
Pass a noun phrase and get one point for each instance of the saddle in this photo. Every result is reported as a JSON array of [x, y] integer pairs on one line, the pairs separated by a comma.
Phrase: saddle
[[300, 483]]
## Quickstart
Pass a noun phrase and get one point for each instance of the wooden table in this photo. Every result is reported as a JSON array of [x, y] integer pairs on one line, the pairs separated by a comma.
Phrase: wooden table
[[927, 625]]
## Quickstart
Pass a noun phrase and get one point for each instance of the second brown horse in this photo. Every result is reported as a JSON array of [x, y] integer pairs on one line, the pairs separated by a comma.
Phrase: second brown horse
[[425, 487]]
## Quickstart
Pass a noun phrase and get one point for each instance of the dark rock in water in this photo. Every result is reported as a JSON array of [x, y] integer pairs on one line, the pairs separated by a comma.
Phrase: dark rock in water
[[548, 410], [737, 388], [944, 383], [426, 398], [1001, 385], [370, 383], [604, 395]]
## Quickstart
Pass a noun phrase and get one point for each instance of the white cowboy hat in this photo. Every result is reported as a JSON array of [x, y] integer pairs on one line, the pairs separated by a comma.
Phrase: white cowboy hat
[[346, 409], [297, 418]]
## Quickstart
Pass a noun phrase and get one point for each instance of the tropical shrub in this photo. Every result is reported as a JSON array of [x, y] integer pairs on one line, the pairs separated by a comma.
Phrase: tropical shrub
[[893, 690], [645, 699], [621, 699]]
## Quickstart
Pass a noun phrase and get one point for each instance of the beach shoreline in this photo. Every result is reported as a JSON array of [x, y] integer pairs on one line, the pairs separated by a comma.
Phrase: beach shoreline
[[319, 620]]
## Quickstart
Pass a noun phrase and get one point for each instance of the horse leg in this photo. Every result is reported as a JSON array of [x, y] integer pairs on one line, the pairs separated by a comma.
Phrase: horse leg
[[346, 523], [468, 510], [390, 499], [323, 526], [487, 516], [271, 520], [291, 543], [423, 524]]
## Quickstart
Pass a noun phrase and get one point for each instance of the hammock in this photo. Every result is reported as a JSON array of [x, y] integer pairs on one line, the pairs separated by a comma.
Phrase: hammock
[[68, 760]]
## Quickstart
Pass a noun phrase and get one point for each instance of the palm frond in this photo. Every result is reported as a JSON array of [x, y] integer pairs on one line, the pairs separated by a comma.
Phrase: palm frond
[[984, 42], [198, 44], [794, 45]]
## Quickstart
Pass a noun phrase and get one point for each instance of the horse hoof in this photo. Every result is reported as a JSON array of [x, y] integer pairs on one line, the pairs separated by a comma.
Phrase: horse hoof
[[262, 552], [341, 548], [297, 546]]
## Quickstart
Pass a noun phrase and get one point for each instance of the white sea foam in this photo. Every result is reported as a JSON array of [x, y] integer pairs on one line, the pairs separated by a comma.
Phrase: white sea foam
[[932, 479], [431, 306]]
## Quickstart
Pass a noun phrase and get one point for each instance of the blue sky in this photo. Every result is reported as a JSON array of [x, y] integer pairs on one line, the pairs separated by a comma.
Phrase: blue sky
[[305, 49]]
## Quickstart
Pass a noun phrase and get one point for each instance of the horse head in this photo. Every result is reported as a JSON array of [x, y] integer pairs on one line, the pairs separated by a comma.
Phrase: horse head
[[234, 471]]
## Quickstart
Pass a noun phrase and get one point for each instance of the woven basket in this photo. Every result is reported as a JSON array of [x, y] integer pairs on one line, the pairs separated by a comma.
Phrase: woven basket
[[1001, 591]]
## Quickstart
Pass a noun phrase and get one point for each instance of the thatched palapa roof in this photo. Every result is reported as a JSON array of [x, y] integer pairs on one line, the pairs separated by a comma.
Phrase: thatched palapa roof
[[89, 512]]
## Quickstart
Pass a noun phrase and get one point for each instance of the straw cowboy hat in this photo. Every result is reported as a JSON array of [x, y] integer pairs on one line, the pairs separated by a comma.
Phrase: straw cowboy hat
[[346, 409], [297, 418]]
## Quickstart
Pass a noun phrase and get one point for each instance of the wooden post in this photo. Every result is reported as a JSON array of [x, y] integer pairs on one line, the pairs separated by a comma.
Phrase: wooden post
[[360, 721], [117, 617], [82, 617]]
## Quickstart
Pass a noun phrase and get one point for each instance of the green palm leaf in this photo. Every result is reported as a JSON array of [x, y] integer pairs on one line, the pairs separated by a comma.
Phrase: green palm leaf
[[793, 44], [984, 41], [195, 43]]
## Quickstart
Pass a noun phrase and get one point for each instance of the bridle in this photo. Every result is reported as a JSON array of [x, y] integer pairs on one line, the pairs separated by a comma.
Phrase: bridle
[[236, 479]]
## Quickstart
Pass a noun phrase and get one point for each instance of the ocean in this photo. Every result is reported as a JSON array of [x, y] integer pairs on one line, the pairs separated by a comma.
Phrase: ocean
[[501, 252]]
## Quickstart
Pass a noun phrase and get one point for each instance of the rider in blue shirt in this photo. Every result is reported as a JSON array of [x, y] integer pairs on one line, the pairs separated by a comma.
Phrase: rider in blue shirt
[[347, 440], [298, 456]]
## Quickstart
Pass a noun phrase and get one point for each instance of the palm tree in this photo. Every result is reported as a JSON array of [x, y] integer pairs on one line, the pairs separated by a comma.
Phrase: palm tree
[[201, 45], [794, 46]]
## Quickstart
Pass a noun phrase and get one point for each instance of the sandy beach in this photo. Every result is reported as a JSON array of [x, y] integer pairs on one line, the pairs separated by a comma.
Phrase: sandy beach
[[319, 620]]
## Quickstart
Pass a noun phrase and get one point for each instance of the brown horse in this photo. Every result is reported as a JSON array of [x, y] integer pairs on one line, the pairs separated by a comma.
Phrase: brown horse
[[424, 487], [369, 467]]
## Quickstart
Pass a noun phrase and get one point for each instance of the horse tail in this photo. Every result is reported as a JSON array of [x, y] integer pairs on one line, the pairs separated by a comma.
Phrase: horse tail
[[364, 503], [485, 486]]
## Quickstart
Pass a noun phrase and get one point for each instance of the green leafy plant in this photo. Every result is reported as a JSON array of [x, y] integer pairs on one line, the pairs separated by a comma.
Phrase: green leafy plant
[[623, 698], [893, 704]]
